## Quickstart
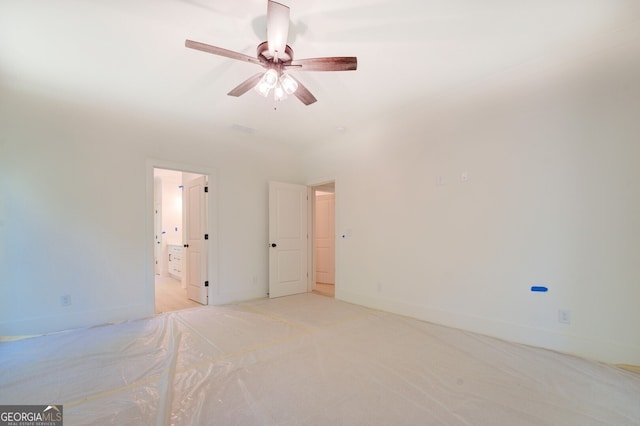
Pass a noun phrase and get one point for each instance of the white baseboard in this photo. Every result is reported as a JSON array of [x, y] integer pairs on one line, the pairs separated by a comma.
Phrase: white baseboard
[[235, 297], [585, 347], [36, 326]]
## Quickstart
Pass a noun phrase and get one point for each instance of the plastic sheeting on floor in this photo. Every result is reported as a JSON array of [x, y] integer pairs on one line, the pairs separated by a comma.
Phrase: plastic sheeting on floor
[[307, 359]]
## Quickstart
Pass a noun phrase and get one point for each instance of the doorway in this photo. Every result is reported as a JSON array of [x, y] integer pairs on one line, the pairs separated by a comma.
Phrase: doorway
[[323, 244], [177, 217]]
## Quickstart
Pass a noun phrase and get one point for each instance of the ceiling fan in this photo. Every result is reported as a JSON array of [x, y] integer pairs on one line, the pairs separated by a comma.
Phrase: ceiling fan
[[277, 57]]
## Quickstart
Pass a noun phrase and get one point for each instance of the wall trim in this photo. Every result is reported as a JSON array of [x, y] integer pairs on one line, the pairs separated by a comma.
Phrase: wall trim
[[62, 322]]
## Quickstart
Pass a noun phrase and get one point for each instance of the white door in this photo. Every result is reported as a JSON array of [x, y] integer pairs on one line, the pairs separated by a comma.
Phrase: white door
[[287, 239], [325, 239], [196, 237]]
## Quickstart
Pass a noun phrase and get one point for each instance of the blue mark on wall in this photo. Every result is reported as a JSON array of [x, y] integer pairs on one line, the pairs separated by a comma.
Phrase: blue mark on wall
[[539, 288]]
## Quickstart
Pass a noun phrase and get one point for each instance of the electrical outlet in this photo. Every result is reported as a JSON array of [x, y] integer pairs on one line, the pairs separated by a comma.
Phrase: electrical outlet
[[564, 316], [65, 300]]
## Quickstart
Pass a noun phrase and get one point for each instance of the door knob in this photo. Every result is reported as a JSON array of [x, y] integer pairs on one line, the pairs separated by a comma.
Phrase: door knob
[[273, 244]]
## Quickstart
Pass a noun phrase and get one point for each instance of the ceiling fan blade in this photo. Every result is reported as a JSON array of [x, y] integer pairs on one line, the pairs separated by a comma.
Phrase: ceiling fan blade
[[303, 93], [277, 27], [221, 52], [336, 63], [246, 85]]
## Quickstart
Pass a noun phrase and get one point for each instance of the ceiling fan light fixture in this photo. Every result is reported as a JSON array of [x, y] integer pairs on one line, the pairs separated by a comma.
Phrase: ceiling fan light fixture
[[279, 93], [270, 78], [267, 82], [289, 84], [262, 88]]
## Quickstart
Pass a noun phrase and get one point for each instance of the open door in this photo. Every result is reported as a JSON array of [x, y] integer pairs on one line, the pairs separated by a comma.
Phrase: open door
[[196, 238], [287, 239]]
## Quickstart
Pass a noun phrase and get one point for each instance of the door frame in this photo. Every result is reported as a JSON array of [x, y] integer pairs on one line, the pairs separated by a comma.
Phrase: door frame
[[157, 226], [311, 221], [212, 217]]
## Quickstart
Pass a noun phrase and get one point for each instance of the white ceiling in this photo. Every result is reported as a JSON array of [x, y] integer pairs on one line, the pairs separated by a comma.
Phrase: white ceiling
[[130, 54]]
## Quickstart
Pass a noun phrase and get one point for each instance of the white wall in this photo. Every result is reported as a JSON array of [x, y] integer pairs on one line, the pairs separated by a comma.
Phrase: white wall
[[75, 211], [552, 199]]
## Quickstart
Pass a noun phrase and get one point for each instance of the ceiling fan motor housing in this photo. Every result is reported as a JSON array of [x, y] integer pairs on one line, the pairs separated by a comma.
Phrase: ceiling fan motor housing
[[265, 57]]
